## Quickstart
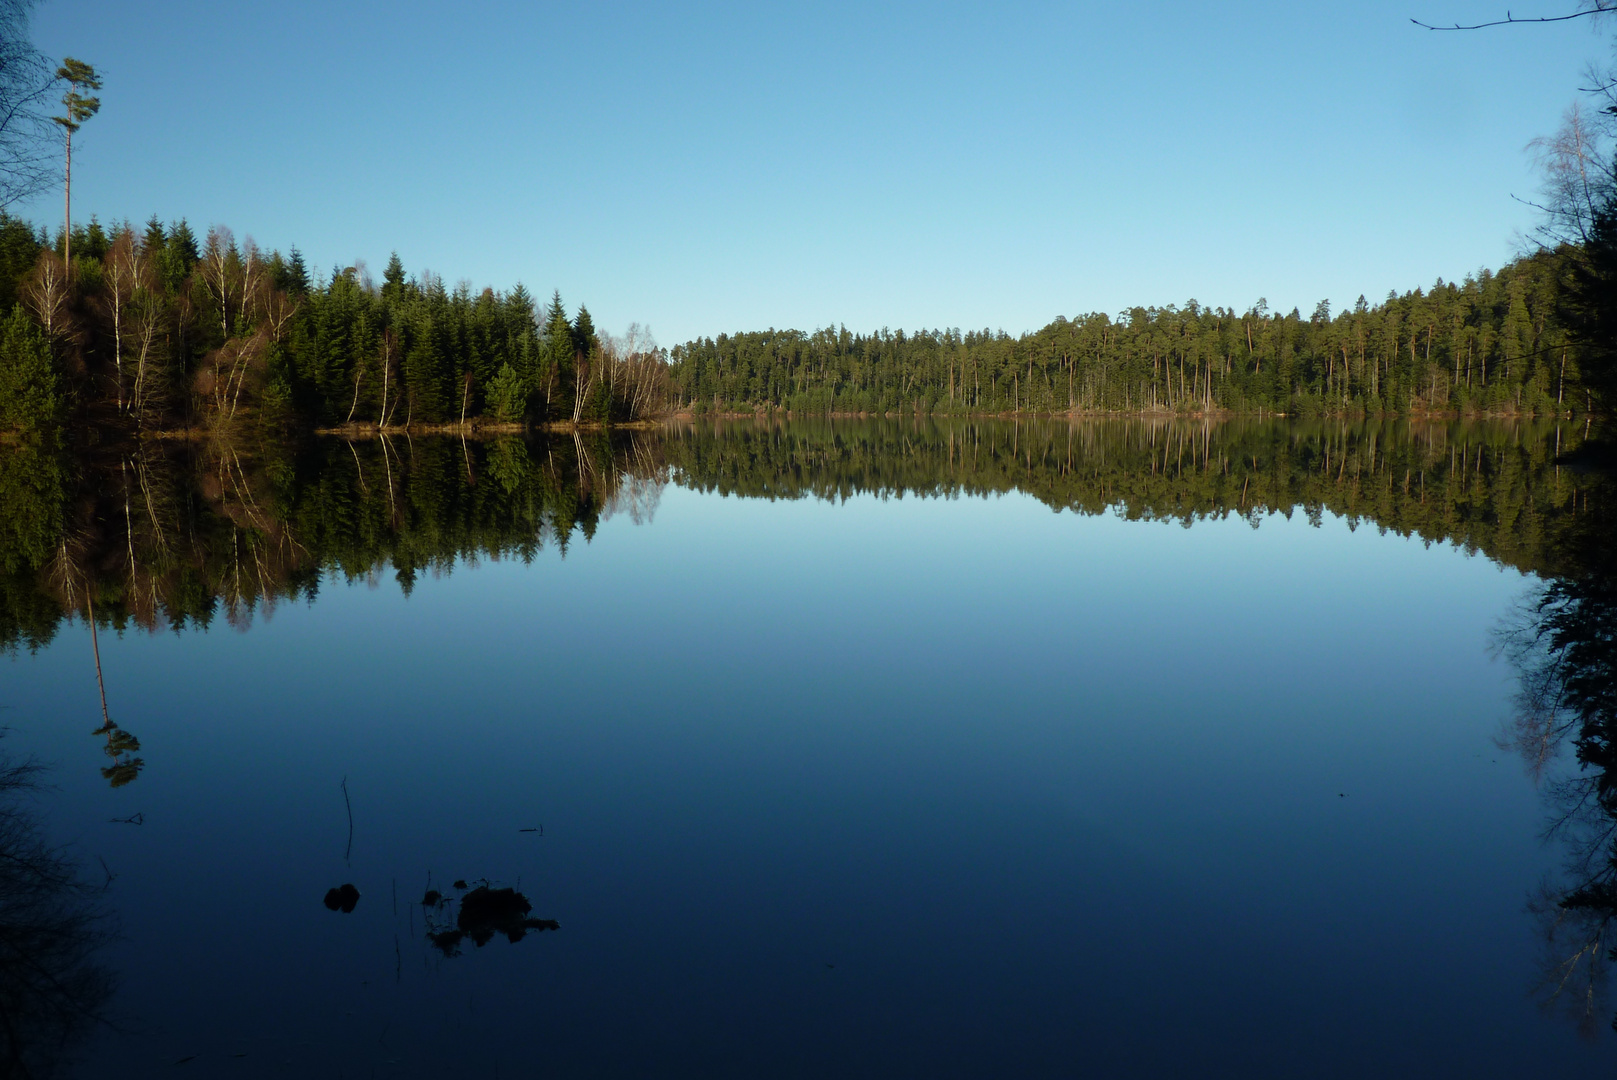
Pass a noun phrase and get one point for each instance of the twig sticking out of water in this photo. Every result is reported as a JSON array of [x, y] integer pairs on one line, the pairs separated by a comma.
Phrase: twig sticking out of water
[[350, 848]]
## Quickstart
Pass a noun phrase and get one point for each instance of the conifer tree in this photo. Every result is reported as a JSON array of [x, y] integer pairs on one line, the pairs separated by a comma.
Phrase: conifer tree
[[393, 280], [30, 399], [79, 106]]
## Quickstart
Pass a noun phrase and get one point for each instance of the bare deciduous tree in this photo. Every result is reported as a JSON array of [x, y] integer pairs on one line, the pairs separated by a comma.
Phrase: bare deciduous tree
[[27, 151], [638, 370], [226, 372], [46, 292], [118, 278], [1578, 178], [220, 268]]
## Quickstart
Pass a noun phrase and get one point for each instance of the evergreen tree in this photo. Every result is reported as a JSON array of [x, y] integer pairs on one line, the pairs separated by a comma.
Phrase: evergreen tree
[[30, 397], [79, 107], [393, 280], [19, 251]]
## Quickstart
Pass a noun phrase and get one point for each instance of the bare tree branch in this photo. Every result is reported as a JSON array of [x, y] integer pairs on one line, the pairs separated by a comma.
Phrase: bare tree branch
[[27, 139], [1603, 7]]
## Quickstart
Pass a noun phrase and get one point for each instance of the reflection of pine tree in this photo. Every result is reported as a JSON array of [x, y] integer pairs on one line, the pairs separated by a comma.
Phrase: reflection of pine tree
[[121, 746]]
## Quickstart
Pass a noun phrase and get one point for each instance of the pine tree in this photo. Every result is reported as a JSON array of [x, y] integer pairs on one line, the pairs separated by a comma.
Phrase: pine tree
[[79, 107]]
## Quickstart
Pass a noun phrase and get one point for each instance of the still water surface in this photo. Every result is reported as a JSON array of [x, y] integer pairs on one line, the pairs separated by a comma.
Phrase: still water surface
[[828, 753]]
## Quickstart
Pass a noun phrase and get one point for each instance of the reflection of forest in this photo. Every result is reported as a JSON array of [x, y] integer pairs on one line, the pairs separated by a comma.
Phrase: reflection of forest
[[177, 534], [1563, 644], [1492, 488], [171, 535]]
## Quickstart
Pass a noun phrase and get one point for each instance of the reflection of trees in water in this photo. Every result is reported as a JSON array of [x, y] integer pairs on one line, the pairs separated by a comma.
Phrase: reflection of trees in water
[[121, 746], [66, 571], [161, 539], [1493, 488], [173, 536], [177, 536], [52, 987], [1564, 647]]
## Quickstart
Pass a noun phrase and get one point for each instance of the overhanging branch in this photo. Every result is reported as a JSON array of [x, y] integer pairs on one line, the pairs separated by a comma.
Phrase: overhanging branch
[[1603, 8]]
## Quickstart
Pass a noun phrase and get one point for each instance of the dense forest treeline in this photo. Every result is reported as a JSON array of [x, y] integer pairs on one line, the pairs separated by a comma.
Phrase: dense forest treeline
[[158, 329], [1495, 344], [165, 534], [154, 329]]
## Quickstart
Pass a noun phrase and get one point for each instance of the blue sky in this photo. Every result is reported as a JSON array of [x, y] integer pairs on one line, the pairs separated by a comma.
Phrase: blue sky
[[710, 167]]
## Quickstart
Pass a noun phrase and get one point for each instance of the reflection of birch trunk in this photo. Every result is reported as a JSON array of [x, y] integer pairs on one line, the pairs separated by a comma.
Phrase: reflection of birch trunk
[[387, 464], [586, 468], [360, 468], [129, 535], [151, 507]]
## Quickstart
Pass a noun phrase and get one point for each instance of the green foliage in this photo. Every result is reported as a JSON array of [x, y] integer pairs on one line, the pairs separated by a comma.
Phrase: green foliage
[[1588, 307], [33, 500], [30, 396], [19, 250], [155, 330], [78, 106], [508, 394], [34, 483], [1489, 345]]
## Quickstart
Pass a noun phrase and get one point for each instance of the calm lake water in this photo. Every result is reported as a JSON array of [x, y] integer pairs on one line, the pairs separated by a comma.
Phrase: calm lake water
[[831, 748]]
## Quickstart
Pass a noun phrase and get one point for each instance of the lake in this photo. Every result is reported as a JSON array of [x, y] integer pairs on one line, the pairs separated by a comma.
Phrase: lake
[[798, 748]]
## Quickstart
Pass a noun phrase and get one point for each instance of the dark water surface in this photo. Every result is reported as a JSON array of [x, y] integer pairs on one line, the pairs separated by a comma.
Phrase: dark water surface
[[857, 749]]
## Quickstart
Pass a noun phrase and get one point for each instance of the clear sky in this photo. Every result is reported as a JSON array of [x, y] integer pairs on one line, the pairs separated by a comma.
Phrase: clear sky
[[713, 167]]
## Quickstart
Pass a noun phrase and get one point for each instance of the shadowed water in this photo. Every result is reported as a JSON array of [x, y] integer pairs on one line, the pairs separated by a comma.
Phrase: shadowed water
[[867, 748]]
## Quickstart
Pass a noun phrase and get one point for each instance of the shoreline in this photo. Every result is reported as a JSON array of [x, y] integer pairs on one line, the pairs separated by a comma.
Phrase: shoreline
[[482, 429]]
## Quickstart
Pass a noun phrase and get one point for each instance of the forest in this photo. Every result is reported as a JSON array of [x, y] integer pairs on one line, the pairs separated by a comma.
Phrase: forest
[[155, 329], [1497, 344]]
